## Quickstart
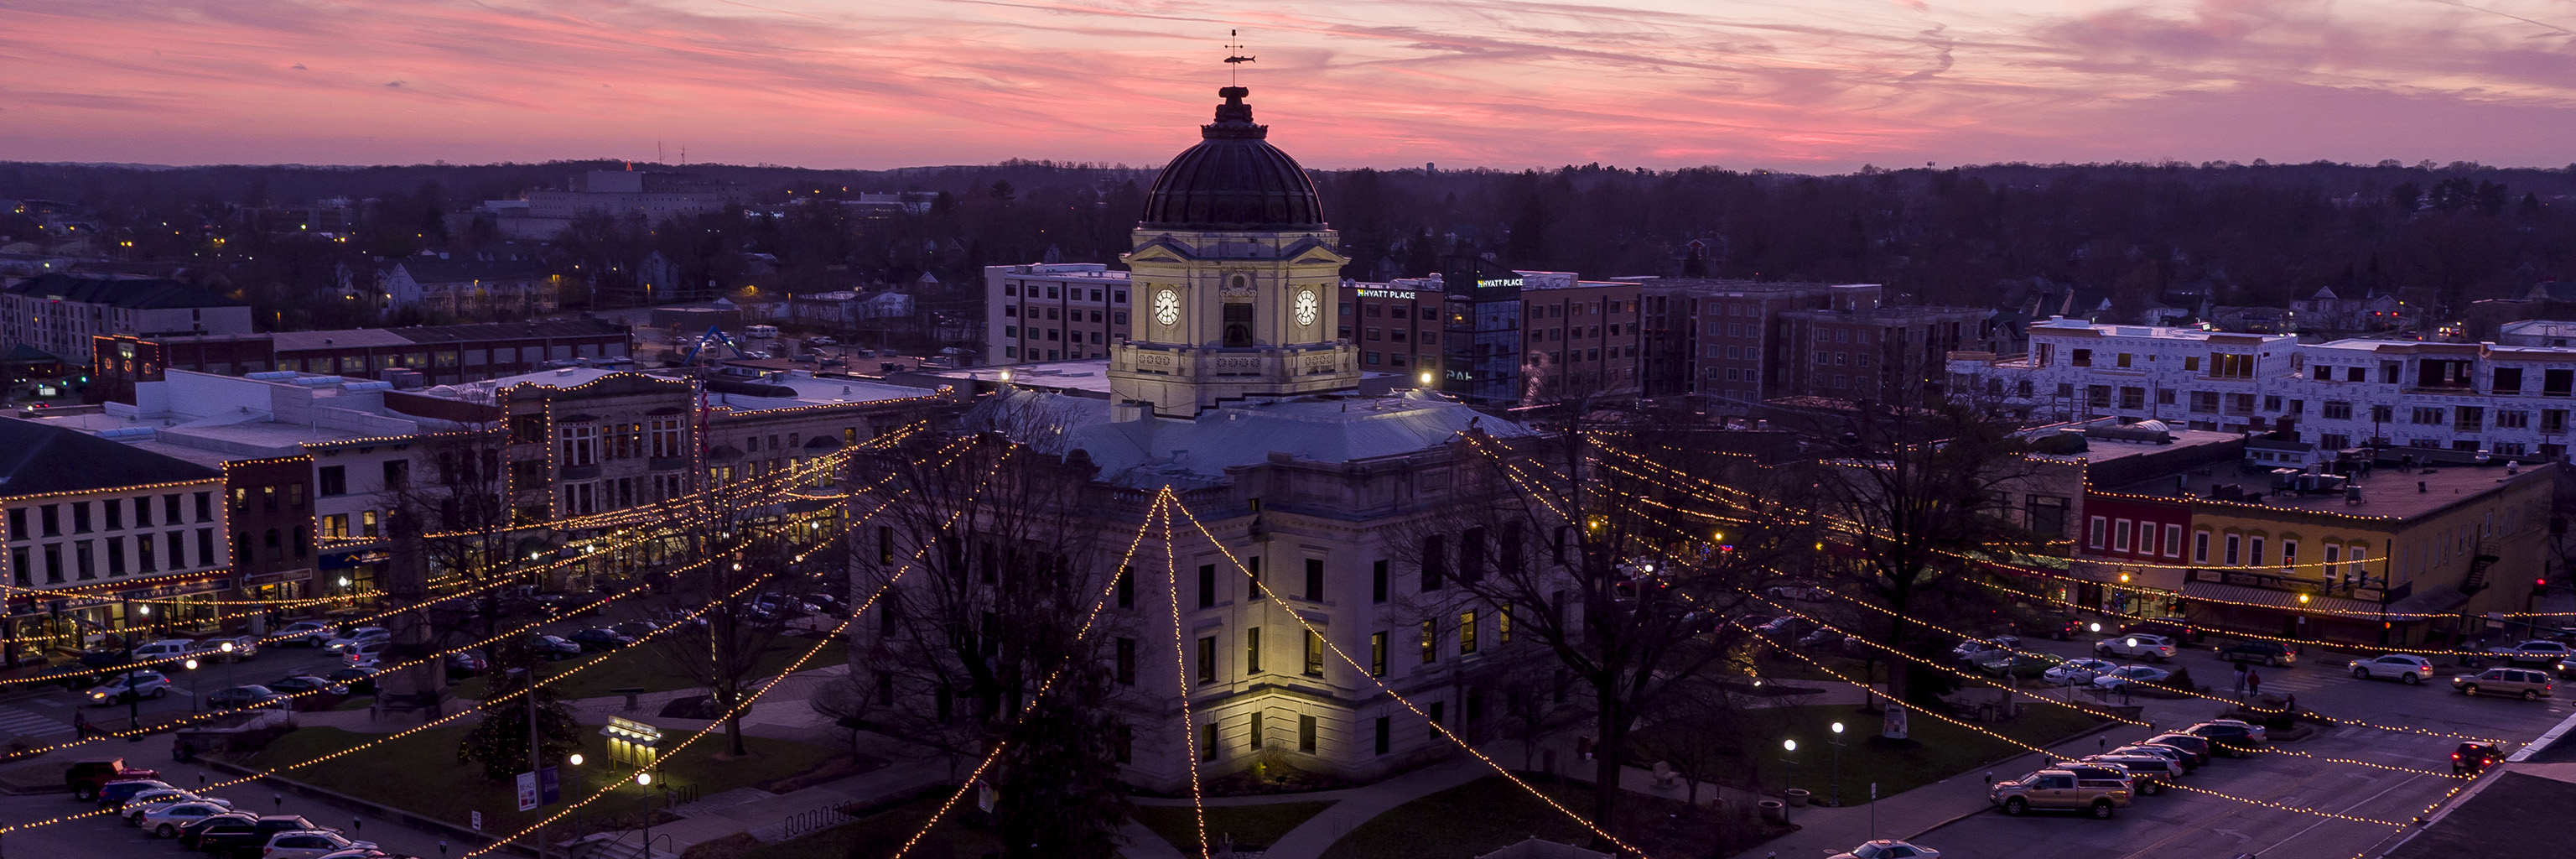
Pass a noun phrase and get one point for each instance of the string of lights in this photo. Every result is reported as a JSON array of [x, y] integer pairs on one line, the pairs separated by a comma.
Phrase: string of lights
[[857, 612], [995, 754], [1291, 613], [1181, 671]]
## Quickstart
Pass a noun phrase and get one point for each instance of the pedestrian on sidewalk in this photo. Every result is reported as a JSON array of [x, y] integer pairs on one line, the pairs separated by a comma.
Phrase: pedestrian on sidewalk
[[80, 725], [2254, 682], [2241, 671]]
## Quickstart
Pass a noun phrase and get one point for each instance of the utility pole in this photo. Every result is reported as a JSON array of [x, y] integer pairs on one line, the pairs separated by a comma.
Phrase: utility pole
[[536, 765]]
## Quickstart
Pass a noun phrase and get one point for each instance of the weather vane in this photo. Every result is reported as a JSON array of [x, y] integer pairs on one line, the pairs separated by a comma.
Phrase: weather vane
[[1234, 59]]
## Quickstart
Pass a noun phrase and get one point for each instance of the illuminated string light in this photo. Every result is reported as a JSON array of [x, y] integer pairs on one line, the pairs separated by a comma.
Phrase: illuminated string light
[[1291, 612]]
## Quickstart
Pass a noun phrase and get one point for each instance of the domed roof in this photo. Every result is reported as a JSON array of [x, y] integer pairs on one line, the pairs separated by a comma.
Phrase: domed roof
[[1233, 180]]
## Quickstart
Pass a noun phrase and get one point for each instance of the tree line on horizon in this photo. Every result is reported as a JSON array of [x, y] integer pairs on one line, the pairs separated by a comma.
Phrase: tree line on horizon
[[2260, 234]]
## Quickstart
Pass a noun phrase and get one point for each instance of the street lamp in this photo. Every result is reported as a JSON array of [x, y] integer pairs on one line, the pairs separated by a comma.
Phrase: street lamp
[[195, 689], [1838, 764], [227, 648], [1789, 776]]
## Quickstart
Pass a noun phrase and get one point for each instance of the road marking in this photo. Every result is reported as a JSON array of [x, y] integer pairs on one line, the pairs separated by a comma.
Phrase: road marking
[[14, 721], [2346, 810]]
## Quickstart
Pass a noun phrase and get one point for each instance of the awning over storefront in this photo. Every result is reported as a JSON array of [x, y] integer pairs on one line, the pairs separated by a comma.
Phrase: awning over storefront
[[2434, 601], [2283, 600]]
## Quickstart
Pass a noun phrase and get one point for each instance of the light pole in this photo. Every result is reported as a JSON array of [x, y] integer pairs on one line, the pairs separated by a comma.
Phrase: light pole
[[644, 780], [1838, 764], [227, 648], [1789, 776], [196, 690]]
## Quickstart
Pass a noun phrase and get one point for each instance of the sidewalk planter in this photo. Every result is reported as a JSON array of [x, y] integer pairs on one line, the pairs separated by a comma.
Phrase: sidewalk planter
[[1772, 809], [1798, 797]]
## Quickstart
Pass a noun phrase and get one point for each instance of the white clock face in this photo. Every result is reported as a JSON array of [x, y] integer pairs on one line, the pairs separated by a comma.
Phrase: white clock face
[[1306, 307], [1167, 307]]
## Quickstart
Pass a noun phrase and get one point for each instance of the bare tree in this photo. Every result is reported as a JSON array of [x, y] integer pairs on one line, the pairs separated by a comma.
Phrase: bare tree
[[744, 598], [1001, 570], [1591, 562]]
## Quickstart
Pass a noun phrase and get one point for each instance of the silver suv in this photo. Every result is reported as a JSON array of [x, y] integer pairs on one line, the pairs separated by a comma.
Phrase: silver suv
[[2531, 683], [2060, 789]]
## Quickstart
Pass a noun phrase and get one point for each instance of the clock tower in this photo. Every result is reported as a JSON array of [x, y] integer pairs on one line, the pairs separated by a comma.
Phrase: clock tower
[[1234, 277]]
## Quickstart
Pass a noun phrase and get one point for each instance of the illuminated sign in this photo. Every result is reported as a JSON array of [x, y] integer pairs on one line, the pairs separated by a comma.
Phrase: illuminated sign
[[1387, 293], [1497, 283]]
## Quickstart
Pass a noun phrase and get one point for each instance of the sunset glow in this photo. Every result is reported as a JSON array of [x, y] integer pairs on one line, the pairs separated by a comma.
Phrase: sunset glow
[[1809, 86]]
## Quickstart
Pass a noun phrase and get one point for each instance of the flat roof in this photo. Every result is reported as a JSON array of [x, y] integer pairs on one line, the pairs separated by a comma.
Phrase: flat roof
[[2386, 491]]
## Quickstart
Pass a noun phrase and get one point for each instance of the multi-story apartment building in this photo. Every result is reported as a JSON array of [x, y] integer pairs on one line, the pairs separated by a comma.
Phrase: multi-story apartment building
[[440, 354], [1054, 312], [2510, 401], [1740, 343], [94, 525], [503, 289], [60, 313]]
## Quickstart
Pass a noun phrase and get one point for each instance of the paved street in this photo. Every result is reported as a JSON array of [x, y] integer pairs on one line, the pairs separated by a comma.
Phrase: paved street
[[2188, 824]]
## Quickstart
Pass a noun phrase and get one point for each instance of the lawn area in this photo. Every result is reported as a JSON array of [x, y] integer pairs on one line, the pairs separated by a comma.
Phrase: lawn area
[[648, 666], [1942, 750], [879, 834], [1248, 824], [432, 782], [1491, 813]]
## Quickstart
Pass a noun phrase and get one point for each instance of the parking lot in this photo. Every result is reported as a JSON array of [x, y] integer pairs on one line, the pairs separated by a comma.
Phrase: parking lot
[[108, 835], [2187, 823]]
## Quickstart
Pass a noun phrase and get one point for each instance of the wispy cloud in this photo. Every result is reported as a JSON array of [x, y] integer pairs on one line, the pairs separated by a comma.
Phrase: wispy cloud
[[1791, 84]]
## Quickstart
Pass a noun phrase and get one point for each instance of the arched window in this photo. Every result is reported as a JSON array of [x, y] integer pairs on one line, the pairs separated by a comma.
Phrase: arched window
[[271, 542]]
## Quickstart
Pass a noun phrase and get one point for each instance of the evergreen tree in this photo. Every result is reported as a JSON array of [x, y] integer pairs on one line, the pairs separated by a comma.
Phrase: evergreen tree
[[500, 741]]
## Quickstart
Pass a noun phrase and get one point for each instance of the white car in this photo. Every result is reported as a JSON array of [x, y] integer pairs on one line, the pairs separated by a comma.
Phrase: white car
[[1886, 848], [364, 653], [307, 633], [308, 844], [2077, 671], [2405, 668], [144, 800], [166, 819], [357, 637], [167, 648], [2138, 644], [121, 688], [2122, 676]]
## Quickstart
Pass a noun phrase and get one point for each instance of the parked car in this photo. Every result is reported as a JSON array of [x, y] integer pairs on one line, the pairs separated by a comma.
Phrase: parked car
[[309, 691], [466, 664], [2474, 757], [2199, 746], [2266, 652], [1820, 638], [1888, 849], [242, 697], [597, 638], [129, 686], [244, 647], [1998, 663], [2153, 771], [2232, 737], [2077, 671], [2527, 653], [167, 648], [165, 820], [2097, 772], [359, 681], [2531, 684], [114, 794], [309, 844], [1801, 592], [1972, 647], [190, 831], [2058, 628], [2059, 789], [141, 800], [357, 637], [227, 835], [2127, 674], [2139, 644], [305, 633], [2182, 760], [636, 629], [2404, 667], [552, 647], [84, 777], [365, 652]]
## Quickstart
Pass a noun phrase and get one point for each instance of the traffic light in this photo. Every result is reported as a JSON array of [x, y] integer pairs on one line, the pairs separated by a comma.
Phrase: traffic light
[[2540, 586]]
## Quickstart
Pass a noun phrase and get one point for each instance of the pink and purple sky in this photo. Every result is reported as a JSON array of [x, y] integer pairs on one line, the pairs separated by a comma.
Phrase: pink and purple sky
[[1801, 85]]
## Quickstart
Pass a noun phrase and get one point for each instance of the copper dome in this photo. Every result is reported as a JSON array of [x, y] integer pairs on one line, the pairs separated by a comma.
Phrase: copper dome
[[1233, 180]]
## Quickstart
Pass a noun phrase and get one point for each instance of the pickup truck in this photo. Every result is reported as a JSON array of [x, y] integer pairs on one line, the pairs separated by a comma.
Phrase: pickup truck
[[84, 777]]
